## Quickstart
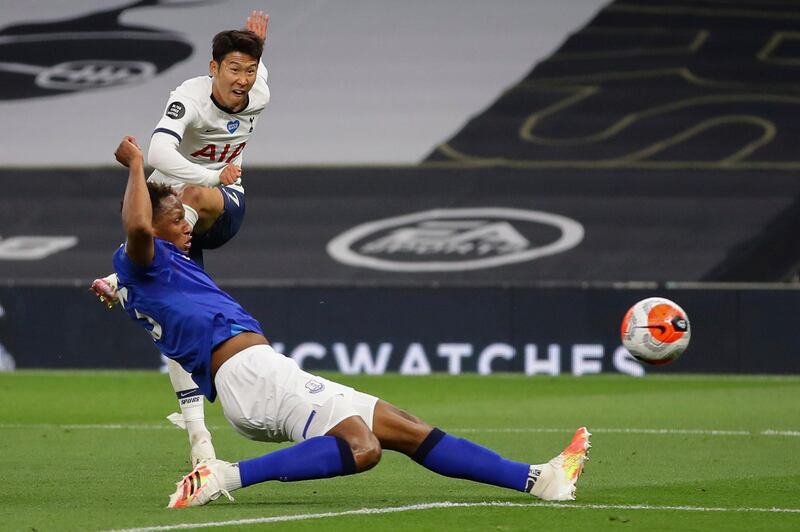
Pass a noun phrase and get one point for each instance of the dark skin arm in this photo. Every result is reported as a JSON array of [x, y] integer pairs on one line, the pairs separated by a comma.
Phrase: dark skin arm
[[137, 212]]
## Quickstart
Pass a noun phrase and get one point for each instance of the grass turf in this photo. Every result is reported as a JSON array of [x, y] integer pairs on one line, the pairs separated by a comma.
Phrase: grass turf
[[92, 451]]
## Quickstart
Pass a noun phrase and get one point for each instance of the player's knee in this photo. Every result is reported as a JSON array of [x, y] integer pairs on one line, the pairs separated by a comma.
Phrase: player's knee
[[363, 443], [191, 196], [203, 200], [367, 452]]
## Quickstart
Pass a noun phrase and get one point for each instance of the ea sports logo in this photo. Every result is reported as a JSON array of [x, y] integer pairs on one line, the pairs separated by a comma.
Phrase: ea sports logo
[[456, 239]]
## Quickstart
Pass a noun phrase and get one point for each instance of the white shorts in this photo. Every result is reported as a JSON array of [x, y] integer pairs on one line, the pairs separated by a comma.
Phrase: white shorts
[[267, 397]]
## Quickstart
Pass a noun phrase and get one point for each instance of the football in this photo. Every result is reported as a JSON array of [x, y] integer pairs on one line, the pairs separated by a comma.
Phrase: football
[[655, 331]]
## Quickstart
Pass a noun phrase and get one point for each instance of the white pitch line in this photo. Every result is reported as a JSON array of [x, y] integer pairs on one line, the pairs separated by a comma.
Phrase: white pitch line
[[447, 505], [595, 430], [463, 430], [84, 426], [781, 433]]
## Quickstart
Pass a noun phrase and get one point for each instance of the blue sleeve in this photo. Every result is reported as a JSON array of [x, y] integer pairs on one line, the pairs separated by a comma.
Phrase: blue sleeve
[[127, 269]]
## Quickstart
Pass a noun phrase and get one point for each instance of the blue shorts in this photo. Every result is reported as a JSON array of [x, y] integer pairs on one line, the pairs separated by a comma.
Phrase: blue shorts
[[224, 228]]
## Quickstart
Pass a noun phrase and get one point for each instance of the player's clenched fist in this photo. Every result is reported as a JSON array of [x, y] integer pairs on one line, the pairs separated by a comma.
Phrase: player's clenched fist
[[230, 174], [128, 151]]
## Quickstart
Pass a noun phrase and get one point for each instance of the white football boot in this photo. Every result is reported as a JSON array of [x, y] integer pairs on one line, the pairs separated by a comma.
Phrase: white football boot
[[555, 480], [203, 485]]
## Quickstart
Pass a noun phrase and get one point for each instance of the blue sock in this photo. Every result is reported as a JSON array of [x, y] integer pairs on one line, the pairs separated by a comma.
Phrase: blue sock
[[460, 458], [320, 457]]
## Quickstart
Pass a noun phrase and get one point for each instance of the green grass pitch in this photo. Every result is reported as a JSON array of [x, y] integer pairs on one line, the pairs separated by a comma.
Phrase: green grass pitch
[[92, 451]]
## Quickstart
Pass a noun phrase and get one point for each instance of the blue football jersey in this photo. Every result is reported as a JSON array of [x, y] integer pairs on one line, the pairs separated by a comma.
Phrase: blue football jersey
[[181, 307]]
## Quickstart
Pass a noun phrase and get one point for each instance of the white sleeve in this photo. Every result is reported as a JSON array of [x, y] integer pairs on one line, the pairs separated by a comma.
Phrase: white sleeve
[[262, 71], [164, 156]]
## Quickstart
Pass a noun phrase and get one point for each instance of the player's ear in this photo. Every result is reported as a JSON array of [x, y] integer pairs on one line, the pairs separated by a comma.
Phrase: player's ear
[[213, 68]]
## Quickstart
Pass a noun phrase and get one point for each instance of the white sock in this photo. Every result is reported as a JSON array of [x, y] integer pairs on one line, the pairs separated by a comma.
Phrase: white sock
[[192, 407], [233, 480], [539, 476], [191, 215]]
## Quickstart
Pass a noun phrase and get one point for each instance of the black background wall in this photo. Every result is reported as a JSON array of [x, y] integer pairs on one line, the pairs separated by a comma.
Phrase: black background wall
[[417, 330]]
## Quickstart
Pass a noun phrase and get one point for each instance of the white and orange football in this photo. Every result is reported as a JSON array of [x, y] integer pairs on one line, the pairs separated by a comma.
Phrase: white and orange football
[[655, 331]]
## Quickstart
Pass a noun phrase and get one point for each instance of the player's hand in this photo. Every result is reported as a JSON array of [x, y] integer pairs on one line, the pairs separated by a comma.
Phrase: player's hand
[[257, 22], [230, 174], [128, 152]]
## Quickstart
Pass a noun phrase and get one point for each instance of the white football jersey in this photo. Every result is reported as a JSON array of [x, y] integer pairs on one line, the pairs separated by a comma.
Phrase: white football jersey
[[205, 135]]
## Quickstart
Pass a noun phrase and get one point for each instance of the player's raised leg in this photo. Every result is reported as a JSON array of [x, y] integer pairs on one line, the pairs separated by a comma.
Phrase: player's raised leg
[[220, 210], [460, 458], [190, 400], [206, 203], [206, 207], [192, 415]]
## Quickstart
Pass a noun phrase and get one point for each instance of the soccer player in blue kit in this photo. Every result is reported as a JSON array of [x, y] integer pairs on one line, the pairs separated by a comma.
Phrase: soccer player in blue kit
[[265, 396], [197, 149]]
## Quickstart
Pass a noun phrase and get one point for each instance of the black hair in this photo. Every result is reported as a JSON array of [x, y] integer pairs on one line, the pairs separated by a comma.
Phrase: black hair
[[242, 41], [158, 192]]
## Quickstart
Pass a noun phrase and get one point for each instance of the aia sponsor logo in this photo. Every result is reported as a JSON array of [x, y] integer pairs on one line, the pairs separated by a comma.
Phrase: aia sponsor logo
[[209, 151], [456, 239], [87, 52]]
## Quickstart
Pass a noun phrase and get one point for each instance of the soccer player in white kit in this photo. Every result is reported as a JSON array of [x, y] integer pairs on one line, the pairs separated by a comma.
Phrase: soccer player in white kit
[[197, 148], [266, 396]]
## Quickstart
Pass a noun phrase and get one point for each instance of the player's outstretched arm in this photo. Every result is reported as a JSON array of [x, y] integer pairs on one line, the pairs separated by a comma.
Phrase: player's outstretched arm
[[257, 22], [137, 212]]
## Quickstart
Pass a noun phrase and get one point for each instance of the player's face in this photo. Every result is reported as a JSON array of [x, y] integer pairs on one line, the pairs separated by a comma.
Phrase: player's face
[[171, 224], [233, 79]]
